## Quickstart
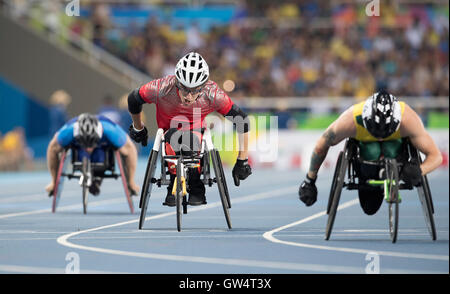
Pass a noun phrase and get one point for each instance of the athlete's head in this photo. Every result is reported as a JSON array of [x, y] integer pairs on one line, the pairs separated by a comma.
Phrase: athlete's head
[[89, 130], [381, 114], [192, 72]]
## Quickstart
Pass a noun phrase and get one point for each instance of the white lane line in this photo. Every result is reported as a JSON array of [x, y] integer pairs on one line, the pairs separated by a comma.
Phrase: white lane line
[[269, 236], [24, 198], [64, 208], [72, 189], [68, 193], [45, 270], [63, 240], [35, 196]]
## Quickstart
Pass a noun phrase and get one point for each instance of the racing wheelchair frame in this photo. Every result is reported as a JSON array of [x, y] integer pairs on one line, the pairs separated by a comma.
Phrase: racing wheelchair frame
[[208, 154], [347, 163], [86, 171]]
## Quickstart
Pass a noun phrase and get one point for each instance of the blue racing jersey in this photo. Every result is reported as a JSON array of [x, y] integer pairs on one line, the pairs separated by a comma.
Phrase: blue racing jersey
[[113, 135]]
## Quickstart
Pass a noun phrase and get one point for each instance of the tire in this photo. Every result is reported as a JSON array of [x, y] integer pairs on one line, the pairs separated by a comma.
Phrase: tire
[[427, 208], [333, 183], [147, 186], [339, 183], [84, 186], [426, 200], [220, 185], [124, 177], [59, 182], [426, 186], [222, 174], [393, 200], [179, 195]]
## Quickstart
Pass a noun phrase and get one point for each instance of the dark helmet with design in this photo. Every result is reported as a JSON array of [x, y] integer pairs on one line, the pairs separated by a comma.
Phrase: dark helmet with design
[[89, 130], [381, 115]]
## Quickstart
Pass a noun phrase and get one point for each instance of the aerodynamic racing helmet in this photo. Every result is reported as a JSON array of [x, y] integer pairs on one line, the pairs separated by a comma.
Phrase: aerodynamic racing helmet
[[88, 130], [381, 114], [192, 70]]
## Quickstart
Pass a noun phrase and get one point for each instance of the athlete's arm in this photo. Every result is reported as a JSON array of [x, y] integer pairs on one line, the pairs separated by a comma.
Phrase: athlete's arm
[[412, 127], [135, 103], [340, 129], [128, 150]]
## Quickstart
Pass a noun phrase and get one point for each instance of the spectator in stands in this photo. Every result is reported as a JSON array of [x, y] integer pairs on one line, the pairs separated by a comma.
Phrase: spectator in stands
[[59, 101], [14, 152], [109, 109]]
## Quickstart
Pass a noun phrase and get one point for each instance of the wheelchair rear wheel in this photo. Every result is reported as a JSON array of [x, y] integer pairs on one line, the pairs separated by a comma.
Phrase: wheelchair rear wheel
[[393, 197], [220, 178], [227, 194], [335, 194], [426, 202], [59, 182], [124, 176], [147, 186], [334, 182]]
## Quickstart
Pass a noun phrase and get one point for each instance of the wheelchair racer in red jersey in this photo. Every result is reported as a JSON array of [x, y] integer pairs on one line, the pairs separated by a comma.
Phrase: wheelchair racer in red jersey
[[183, 100]]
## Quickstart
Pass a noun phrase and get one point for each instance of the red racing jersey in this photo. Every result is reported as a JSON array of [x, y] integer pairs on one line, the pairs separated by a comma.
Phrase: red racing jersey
[[170, 112]]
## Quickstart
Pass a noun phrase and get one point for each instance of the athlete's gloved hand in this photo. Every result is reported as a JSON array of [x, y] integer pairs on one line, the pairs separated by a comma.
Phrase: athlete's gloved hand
[[140, 136], [308, 191], [241, 171], [411, 173]]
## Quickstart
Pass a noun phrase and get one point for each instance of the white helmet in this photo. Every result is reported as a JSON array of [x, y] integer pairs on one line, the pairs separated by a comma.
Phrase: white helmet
[[192, 70]]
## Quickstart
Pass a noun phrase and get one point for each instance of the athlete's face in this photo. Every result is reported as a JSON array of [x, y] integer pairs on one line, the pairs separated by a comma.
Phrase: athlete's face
[[189, 95], [90, 149]]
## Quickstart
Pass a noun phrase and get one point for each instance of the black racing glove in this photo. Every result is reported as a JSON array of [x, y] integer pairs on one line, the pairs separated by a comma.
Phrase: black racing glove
[[308, 191], [138, 136], [241, 171], [411, 173]]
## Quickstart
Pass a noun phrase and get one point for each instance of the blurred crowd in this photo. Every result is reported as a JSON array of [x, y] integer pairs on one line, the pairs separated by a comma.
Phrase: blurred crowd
[[291, 48], [341, 52]]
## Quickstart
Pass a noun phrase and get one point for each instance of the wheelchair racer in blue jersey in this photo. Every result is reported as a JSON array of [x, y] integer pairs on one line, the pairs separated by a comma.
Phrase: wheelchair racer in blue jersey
[[90, 134]]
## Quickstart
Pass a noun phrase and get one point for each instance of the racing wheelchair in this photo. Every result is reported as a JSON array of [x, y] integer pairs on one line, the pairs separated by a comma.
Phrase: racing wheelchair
[[347, 164], [86, 172], [203, 159]]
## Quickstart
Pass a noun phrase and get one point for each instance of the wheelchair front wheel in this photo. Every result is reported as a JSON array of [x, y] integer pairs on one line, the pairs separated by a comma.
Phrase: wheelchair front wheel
[[179, 195], [84, 183], [393, 197]]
